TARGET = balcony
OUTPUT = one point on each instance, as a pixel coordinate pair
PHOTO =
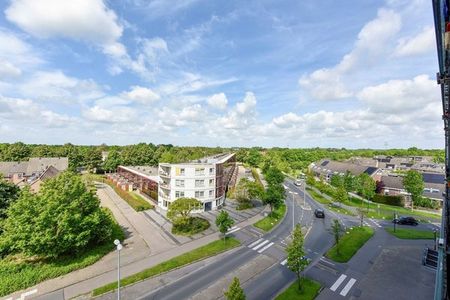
(163, 173)
(164, 185)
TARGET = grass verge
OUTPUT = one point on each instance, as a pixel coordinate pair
(203, 252)
(272, 219)
(134, 200)
(411, 234)
(17, 273)
(350, 244)
(310, 290)
(321, 199)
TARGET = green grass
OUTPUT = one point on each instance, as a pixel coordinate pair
(133, 199)
(272, 219)
(318, 197)
(340, 210)
(203, 252)
(310, 290)
(411, 234)
(17, 273)
(350, 243)
(193, 226)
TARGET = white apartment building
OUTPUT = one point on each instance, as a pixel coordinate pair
(205, 179)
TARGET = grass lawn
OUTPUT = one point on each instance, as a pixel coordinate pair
(272, 219)
(411, 234)
(17, 273)
(203, 252)
(310, 289)
(350, 243)
(318, 197)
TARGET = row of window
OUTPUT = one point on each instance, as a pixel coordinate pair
(198, 183)
(198, 194)
(198, 171)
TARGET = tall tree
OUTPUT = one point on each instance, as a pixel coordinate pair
(274, 176)
(235, 292)
(8, 194)
(413, 183)
(296, 260)
(337, 181)
(180, 209)
(349, 182)
(112, 161)
(224, 222)
(340, 195)
(273, 196)
(336, 229)
(366, 186)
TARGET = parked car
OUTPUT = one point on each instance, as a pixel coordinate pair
(406, 221)
(319, 213)
(298, 182)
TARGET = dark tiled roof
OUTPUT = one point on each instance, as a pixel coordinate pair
(393, 182)
(433, 178)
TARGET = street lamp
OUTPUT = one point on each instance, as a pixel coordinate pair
(293, 209)
(118, 247)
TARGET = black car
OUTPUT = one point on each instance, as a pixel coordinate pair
(406, 221)
(319, 213)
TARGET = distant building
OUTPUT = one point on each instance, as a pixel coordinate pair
(142, 178)
(328, 168)
(34, 171)
(206, 179)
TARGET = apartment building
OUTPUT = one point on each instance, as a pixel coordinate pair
(206, 179)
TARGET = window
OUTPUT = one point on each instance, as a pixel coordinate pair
(211, 171)
(211, 193)
(179, 194)
(199, 194)
(211, 182)
(199, 183)
(182, 171)
(199, 171)
(179, 183)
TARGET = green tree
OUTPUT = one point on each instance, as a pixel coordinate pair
(336, 229)
(180, 209)
(413, 183)
(340, 195)
(296, 260)
(337, 181)
(274, 176)
(92, 159)
(366, 186)
(63, 218)
(8, 194)
(112, 161)
(224, 222)
(361, 214)
(253, 157)
(235, 291)
(273, 196)
(349, 182)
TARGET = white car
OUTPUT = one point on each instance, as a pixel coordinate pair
(298, 182)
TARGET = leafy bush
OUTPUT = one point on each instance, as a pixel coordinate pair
(244, 205)
(426, 202)
(390, 200)
(190, 226)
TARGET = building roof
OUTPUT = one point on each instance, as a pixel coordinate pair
(433, 178)
(148, 172)
(215, 159)
(392, 182)
(336, 167)
(7, 168)
(40, 164)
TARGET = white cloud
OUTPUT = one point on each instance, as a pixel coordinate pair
(141, 95)
(7, 69)
(241, 116)
(422, 43)
(218, 101)
(113, 114)
(247, 104)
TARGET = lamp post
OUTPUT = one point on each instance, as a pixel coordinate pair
(293, 209)
(118, 247)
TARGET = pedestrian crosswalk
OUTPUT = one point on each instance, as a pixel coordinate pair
(233, 229)
(372, 223)
(347, 287)
(261, 245)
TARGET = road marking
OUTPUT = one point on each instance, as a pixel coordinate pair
(376, 223)
(265, 248)
(283, 262)
(347, 287)
(367, 224)
(254, 243)
(322, 259)
(338, 282)
(23, 295)
(233, 229)
(285, 187)
(260, 245)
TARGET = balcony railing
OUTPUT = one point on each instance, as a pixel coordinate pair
(164, 173)
(164, 185)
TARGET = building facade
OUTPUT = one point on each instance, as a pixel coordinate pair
(206, 180)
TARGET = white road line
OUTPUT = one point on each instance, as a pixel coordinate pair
(260, 245)
(265, 248)
(326, 261)
(376, 223)
(233, 230)
(254, 243)
(285, 187)
(347, 287)
(338, 282)
(283, 262)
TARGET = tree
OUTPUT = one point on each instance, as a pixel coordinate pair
(180, 209)
(8, 194)
(253, 157)
(336, 229)
(361, 214)
(274, 176)
(341, 195)
(337, 181)
(112, 161)
(273, 196)
(366, 186)
(296, 260)
(92, 159)
(235, 292)
(349, 182)
(413, 183)
(224, 222)
(63, 218)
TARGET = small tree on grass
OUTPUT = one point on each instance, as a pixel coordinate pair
(235, 291)
(341, 195)
(296, 261)
(273, 196)
(414, 185)
(224, 222)
(336, 229)
(361, 213)
(180, 209)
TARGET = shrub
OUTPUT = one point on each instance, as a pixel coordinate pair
(390, 200)
(190, 226)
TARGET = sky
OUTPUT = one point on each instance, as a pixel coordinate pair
(287, 73)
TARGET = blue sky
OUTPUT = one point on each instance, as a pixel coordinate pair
(220, 73)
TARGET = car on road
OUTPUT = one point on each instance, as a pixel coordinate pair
(319, 213)
(406, 221)
(298, 182)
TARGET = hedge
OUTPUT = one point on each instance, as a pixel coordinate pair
(390, 200)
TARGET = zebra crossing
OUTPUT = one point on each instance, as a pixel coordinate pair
(261, 245)
(373, 223)
(344, 291)
(233, 229)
